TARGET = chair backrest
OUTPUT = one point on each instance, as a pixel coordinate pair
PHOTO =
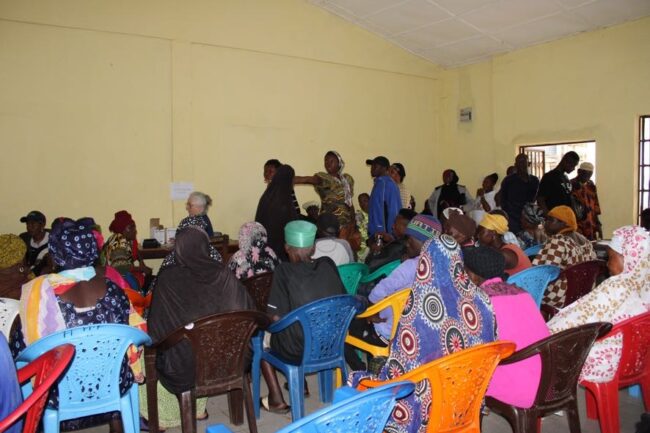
(382, 272)
(91, 381)
(635, 359)
(45, 370)
(259, 287)
(458, 385)
(8, 313)
(365, 412)
(533, 251)
(563, 356)
(351, 275)
(534, 280)
(324, 324)
(581, 279)
(220, 344)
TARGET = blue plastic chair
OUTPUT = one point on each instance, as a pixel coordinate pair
(351, 275)
(363, 412)
(91, 384)
(381, 272)
(533, 251)
(535, 280)
(324, 325)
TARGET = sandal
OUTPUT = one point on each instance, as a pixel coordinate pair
(264, 403)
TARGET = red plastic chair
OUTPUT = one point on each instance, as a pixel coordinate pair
(581, 279)
(634, 368)
(45, 370)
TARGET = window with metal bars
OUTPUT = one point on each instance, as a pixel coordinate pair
(644, 163)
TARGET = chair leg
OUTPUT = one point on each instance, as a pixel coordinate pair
(325, 385)
(525, 422)
(248, 401)
(152, 404)
(256, 342)
(187, 403)
(606, 395)
(126, 411)
(296, 379)
(51, 422)
(592, 407)
(573, 417)
(236, 406)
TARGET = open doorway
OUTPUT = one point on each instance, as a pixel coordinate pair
(545, 157)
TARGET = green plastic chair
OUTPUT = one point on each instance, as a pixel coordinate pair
(351, 275)
(382, 272)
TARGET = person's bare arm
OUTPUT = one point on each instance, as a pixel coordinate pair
(307, 180)
(511, 259)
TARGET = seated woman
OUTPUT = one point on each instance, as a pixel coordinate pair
(623, 295)
(194, 287)
(532, 232)
(79, 294)
(10, 395)
(254, 255)
(328, 243)
(197, 205)
(121, 252)
(446, 313)
(518, 320)
(565, 247)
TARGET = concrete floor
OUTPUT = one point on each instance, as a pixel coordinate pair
(630, 413)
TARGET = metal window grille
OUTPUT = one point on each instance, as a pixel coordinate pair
(644, 163)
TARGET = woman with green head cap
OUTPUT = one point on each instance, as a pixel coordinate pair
(297, 282)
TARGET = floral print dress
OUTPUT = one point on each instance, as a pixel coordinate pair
(616, 299)
(254, 256)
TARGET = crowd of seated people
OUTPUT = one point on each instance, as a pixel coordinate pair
(456, 256)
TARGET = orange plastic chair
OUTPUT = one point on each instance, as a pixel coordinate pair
(458, 384)
(395, 302)
(634, 368)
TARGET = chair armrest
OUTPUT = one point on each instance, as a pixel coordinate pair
(343, 393)
(381, 305)
(283, 323)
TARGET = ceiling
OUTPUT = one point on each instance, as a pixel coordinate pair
(457, 32)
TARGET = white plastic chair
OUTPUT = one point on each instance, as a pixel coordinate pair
(8, 314)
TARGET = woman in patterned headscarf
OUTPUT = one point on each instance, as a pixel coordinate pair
(336, 191)
(79, 294)
(445, 313)
(565, 247)
(623, 295)
(254, 255)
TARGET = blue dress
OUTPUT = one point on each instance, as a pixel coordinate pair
(10, 396)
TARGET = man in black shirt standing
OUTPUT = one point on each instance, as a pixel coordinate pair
(517, 189)
(555, 187)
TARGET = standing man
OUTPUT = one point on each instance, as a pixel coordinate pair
(584, 191)
(517, 189)
(555, 187)
(36, 239)
(385, 201)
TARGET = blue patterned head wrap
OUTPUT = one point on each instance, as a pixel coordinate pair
(72, 244)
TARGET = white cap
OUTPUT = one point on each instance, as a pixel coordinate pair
(587, 166)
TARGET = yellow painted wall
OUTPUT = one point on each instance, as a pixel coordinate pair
(104, 103)
(591, 86)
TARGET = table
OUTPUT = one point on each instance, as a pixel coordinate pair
(223, 244)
